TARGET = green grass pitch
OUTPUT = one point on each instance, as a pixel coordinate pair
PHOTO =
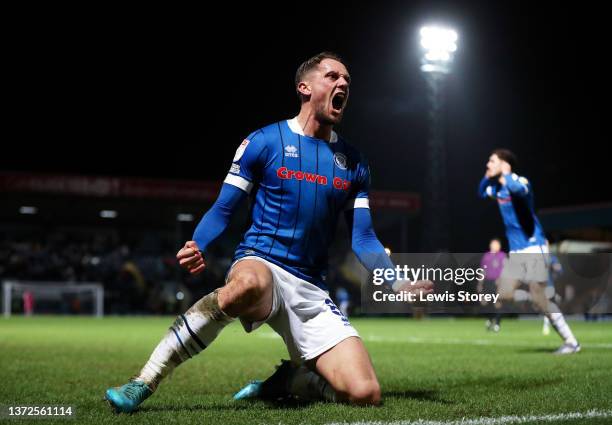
(433, 370)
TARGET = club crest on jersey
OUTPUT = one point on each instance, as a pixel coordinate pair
(241, 149)
(291, 151)
(340, 160)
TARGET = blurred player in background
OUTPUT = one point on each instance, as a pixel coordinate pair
(344, 300)
(555, 270)
(301, 177)
(493, 263)
(528, 247)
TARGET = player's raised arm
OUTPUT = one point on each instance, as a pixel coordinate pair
(517, 185)
(236, 186)
(485, 188)
(500, 166)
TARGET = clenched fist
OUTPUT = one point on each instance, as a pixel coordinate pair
(190, 258)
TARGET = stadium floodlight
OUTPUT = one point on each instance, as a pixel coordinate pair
(439, 44)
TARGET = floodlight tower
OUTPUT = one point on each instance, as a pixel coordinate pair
(439, 45)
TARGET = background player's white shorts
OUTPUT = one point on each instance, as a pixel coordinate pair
(527, 265)
(303, 315)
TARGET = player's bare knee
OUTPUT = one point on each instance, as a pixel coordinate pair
(365, 393)
(246, 287)
(253, 284)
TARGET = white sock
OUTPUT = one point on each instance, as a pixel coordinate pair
(558, 322)
(191, 333)
(309, 385)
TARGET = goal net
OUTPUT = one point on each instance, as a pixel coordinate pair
(27, 297)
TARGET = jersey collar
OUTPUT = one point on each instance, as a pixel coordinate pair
(295, 127)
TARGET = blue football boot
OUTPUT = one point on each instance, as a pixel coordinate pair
(127, 398)
(251, 390)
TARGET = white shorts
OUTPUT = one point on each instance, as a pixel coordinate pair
(527, 265)
(302, 314)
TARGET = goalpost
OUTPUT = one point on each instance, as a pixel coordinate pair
(51, 292)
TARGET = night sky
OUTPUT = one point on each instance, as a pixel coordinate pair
(171, 94)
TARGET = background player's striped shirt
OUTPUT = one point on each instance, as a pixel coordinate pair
(516, 204)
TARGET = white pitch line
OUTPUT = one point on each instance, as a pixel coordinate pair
(502, 420)
(459, 341)
(447, 341)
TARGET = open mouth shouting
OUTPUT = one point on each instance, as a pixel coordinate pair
(338, 102)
